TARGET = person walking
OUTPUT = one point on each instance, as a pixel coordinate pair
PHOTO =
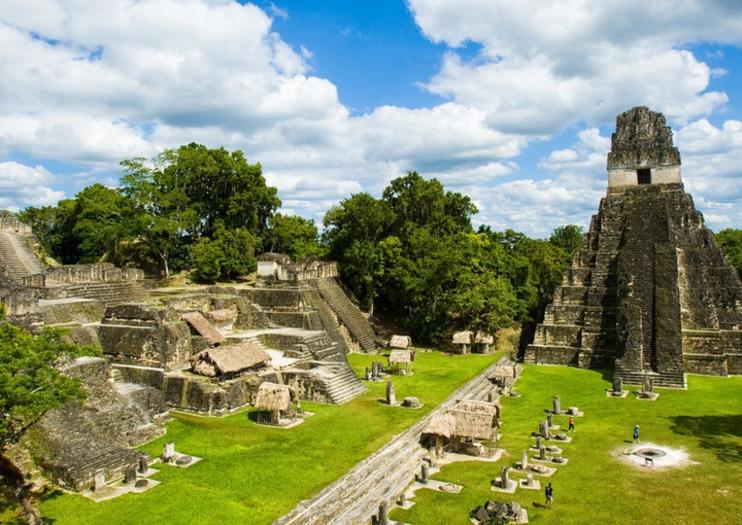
(549, 493)
(636, 433)
(571, 423)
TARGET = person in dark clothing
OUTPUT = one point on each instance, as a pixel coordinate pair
(549, 493)
(636, 433)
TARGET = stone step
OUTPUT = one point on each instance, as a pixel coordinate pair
(665, 380)
(17, 257)
(348, 313)
(355, 497)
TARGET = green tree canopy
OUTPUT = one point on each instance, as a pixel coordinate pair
(292, 235)
(730, 241)
(31, 384)
(568, 237)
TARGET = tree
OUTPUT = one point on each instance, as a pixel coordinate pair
(54, 228)
(568, 238)
(416, 201)
(292, 235)
(730, 242)
(101, 216)
(161, 215)
(221, 186)
(31, 384)
(353, 230)
(185, 195)
(230, 254)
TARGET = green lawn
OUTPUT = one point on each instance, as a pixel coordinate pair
(253, 474)
(595, 488)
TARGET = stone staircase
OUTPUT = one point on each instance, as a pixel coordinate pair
(664, 379)
(108, 293)
(383, 476)
(343, 385)
(348, 313)
(17, 258)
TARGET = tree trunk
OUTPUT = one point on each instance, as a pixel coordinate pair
(165, 265)
(14, 475)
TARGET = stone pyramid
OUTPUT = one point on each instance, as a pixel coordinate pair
(649, 291)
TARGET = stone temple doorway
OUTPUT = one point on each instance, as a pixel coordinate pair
(644, 176)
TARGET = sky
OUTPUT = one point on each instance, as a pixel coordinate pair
(509, 102)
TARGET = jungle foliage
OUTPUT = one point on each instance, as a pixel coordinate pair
(412, 252)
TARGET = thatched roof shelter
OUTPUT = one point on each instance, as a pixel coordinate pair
(273, 397)
(441, 424)
(203, 327)
(400, 341)
(226, 360)
(462, 338)
(474, 419)
(400, 357)
(484, 338)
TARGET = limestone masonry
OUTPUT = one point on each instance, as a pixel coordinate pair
(205, 349)
(649, 291)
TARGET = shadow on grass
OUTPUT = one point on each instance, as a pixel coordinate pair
(714, 433)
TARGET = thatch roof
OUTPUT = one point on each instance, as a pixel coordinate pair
(484, 338)
(400, 341)
(229, 359)
(400, 357)
(204, 328)
(462, 338)
(272, 396)
(474, 419)
(441, 424)
(224, 315)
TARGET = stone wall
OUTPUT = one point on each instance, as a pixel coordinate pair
(10, 223)
(82, 273)
(650, 287)
(72, 442)
(145, 335)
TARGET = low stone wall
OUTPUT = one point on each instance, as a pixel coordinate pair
(354, 499)
(195, 394)
(82, 273)
(135, 334)
(10, 223)
(19, 301)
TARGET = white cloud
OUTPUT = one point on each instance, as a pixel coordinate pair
(711, 158)
(546, 65)
(95, 82)
(278, 12)
(27, 184)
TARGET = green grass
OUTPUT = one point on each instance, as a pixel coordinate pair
(254, 474)
(595, 487)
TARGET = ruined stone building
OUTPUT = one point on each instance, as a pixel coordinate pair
(649, 291)
(199, 348)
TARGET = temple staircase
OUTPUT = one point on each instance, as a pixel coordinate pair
(17, 257)
(343, 385)
(348, 313)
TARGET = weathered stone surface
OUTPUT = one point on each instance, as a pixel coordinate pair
(145, 335)
(411, 402)
(72, 443)
(642, 138)
(649, 291)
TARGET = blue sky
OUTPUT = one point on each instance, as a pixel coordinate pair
(512, 103)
